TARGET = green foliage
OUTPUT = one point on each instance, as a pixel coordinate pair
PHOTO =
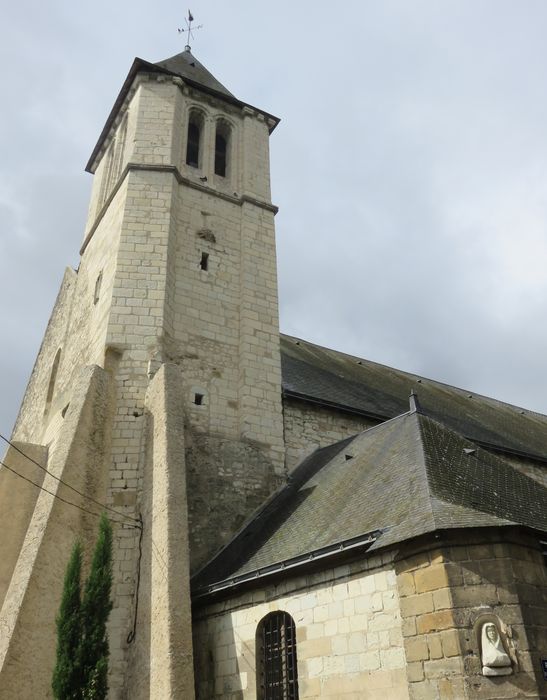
(96, 607)
(67, 679)
(81, 670)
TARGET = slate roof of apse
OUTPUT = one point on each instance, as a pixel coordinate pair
(333, 378)
(406, 477)
(186, 66)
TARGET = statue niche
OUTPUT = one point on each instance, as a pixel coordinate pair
(495, 659)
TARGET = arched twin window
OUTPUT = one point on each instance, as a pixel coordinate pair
(194, 144)
(277, 673)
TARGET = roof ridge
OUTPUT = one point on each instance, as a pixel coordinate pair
(474, 479)
(418, 416)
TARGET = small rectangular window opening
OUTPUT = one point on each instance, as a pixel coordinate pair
(204, 262)
(543, 544)
(198, 399)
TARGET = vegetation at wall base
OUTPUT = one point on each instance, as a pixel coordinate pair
(96, 607)
(81, 669)
(67, 678)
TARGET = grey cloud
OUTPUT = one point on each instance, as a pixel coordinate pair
(410, 167)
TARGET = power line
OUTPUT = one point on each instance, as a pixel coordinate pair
(83, 495)
(68, 503)
(133, 632)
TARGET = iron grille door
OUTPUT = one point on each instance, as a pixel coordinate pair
(277, 657)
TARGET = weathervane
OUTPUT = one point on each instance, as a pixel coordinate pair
(188, 29)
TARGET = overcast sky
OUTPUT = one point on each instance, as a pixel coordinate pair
(410, 168)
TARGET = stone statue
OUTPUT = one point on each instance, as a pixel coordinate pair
(495, 660)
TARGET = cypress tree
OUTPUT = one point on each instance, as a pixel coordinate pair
(66, 681)
(96, 606)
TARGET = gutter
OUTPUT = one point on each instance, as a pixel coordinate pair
(380, 417)
(288, 565)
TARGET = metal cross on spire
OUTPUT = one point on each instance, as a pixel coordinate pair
(189, 29)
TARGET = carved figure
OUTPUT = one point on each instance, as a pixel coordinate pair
(495, 660)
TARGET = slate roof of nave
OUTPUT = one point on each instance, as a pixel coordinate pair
(332, 378)
(405, 477)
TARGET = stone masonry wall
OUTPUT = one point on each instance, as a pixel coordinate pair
(27, 617)
(308, 426)
(161, 664)
(229, 356)
(348, 631)
(533, 469)
(445, 589)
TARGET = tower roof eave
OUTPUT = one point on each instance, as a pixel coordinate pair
(169, 67)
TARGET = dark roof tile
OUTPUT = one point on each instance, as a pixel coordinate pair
(188, 67)
(405, 477)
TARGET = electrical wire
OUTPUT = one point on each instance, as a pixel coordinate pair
(133, 632)
(68, 503)
(83, 495)
(139, 522)
(139, 526)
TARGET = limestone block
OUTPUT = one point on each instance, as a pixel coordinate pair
(431, 578)
(433, 622)
(417, 604)
(416, 649)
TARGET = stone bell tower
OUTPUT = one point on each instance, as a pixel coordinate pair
(157, 387)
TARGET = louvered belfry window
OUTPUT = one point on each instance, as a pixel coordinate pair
(277, 675)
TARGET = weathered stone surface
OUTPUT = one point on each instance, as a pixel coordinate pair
(416, 649)
(27, 617)
(433, 622)
(340, 652)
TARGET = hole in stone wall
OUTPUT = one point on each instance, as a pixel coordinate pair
(198, 399)
(52, 380)
(97, 292)
(204, 262)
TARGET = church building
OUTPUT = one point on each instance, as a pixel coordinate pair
(290, 522)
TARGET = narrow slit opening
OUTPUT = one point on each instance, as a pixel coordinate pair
(204, 262)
